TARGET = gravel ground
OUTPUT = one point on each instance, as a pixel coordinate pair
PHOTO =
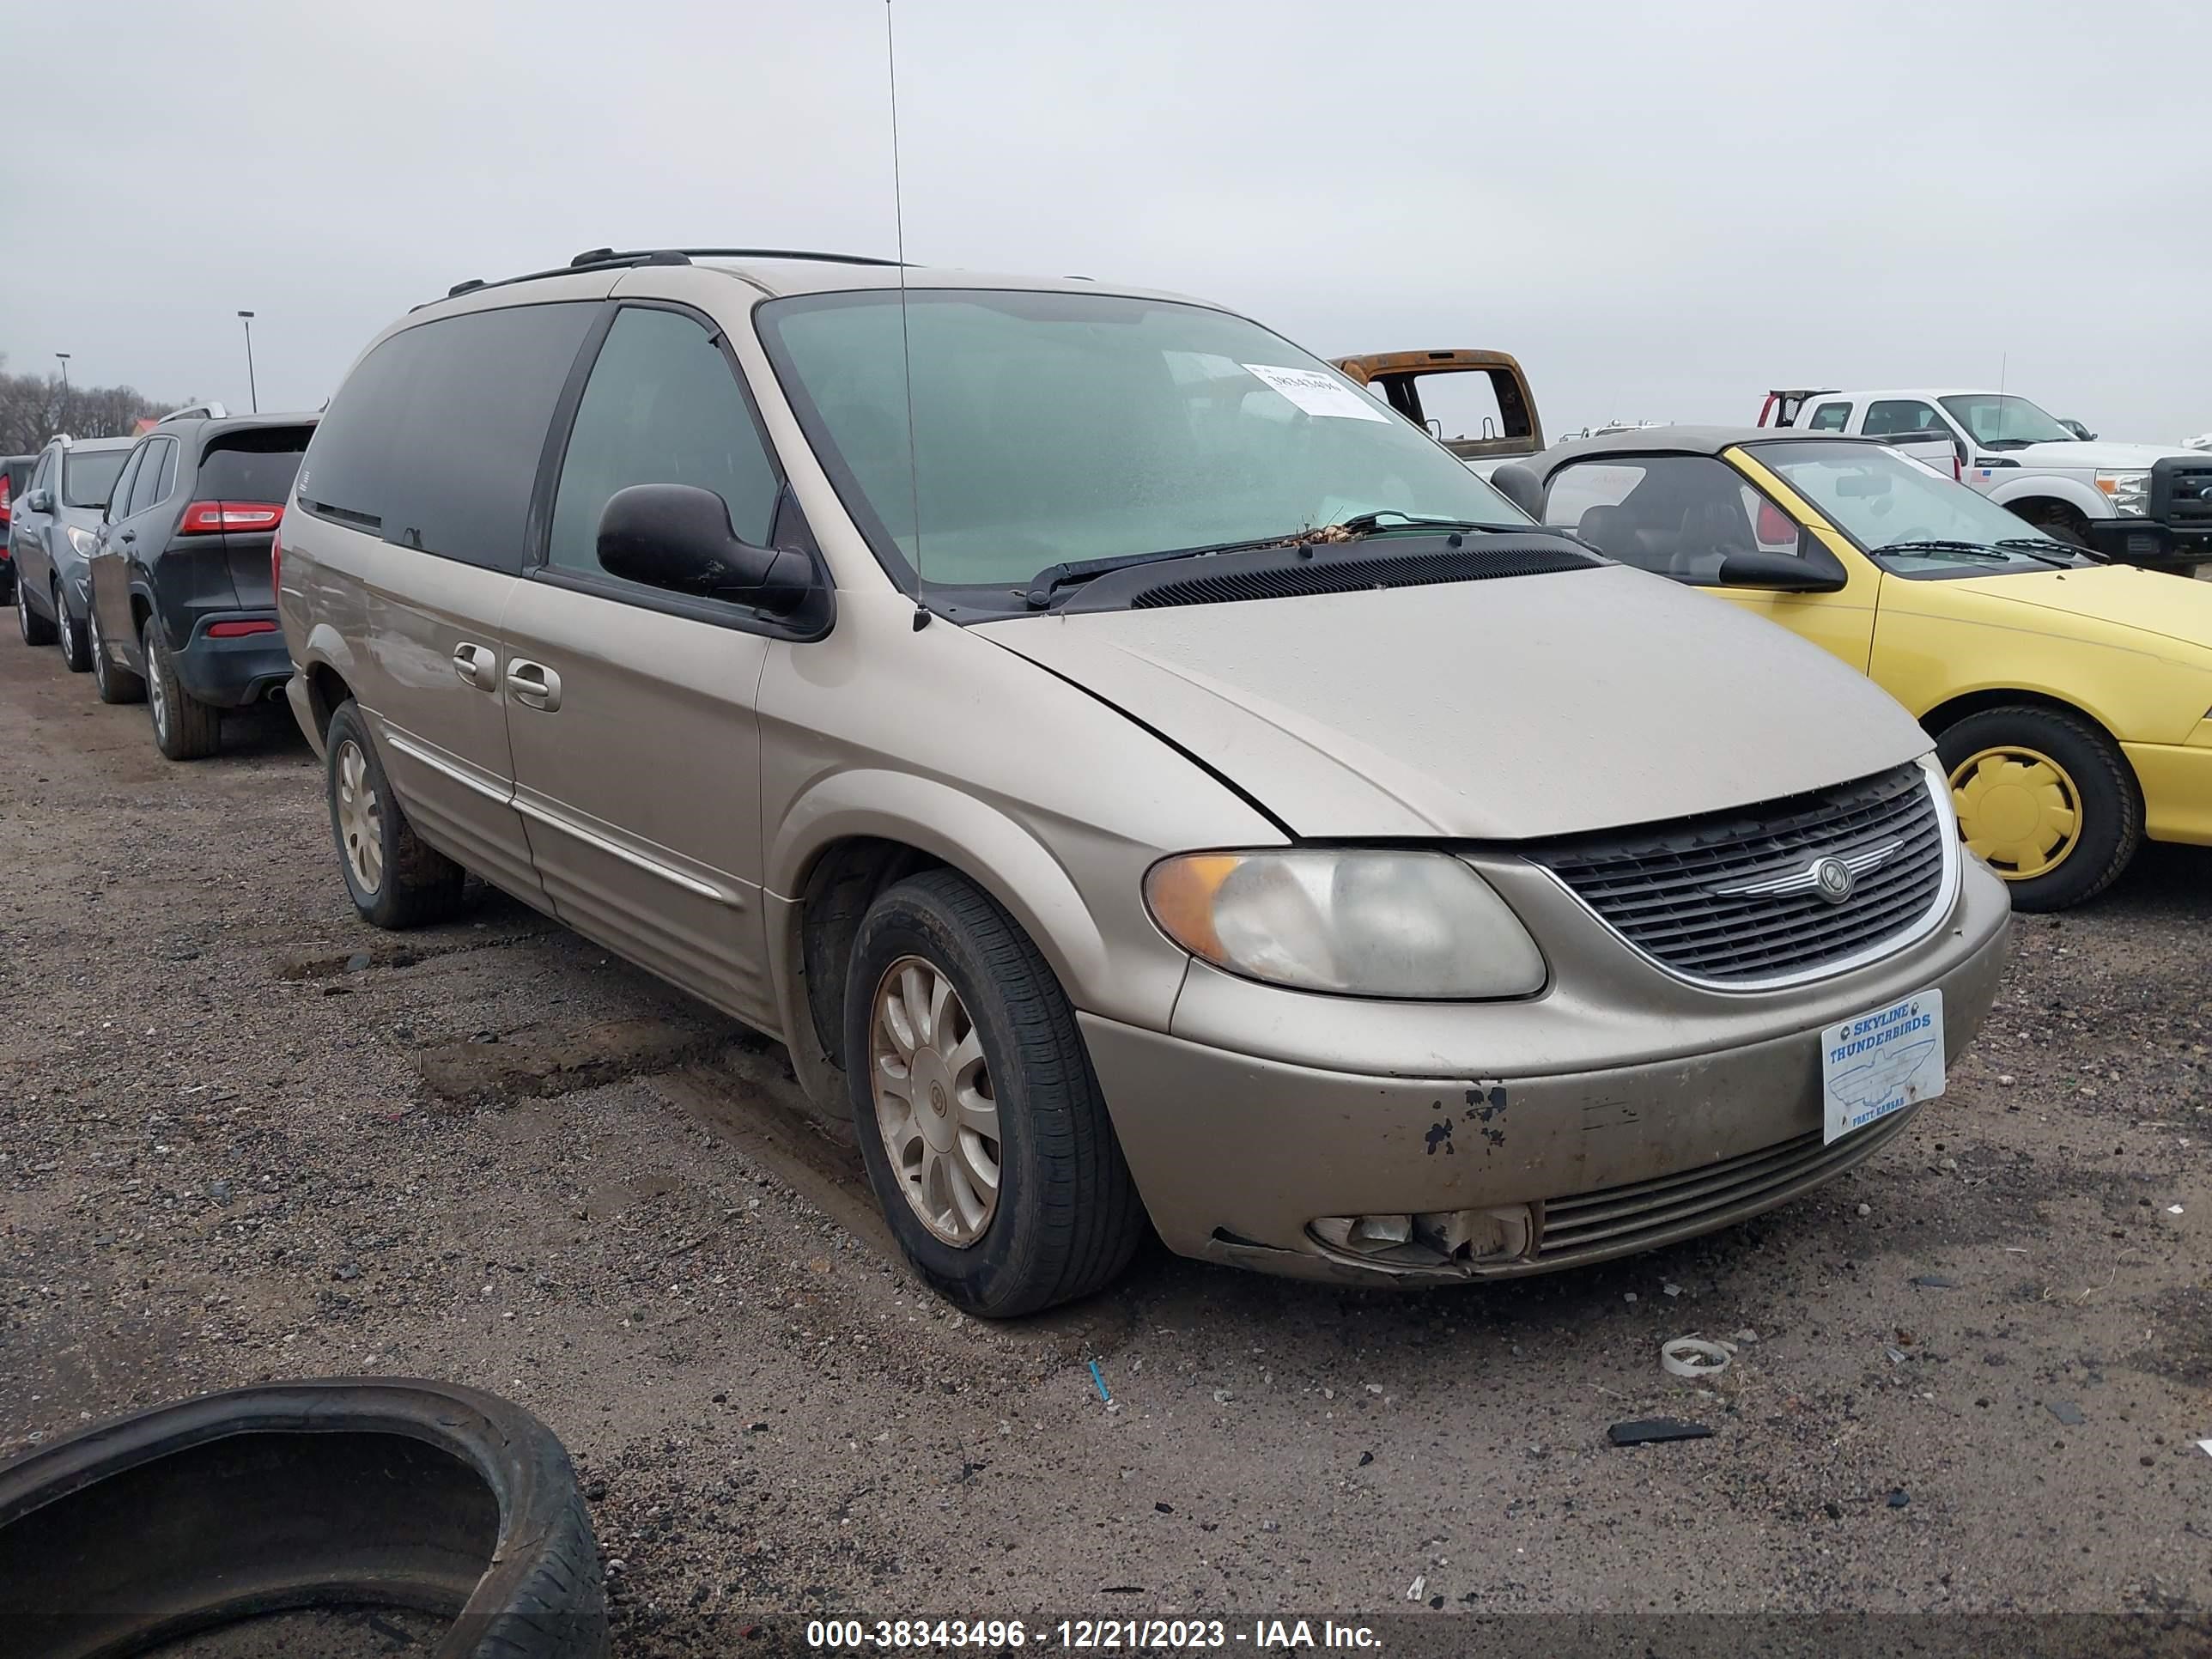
(243, 1136)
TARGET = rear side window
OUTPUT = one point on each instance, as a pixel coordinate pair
(1900, 416)
(1829, 417)
(254, 465)
(118, 504)
(435, 440)
(146, 481)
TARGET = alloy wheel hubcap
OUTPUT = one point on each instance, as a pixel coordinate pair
(67, 626)
(361, 819)
(2018, 810)
(935, 1102)
(99, 651)
(157, 705)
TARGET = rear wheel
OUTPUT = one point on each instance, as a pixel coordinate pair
(184, 728)
(75, 651)
(2046, 799)
(34, 628)
(115, 683)
(395, 878)
(986, 1137)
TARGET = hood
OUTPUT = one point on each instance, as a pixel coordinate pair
(1504, 709)
(2098, 456)
(2152, 601)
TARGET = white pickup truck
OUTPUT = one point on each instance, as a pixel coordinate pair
(2146, 504)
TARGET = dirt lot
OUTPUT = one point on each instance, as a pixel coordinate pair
(243, 1136)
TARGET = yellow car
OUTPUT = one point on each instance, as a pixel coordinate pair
(2070, 700)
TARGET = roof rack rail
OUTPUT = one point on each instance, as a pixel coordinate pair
(607, 258)
(207, 411)
(675, 256)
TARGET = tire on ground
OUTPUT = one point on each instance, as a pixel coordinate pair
(324, 1493)
(2056, 520)
(418, 883)
(115, 683)
(184, 728)
(74, 651)
(1068, 1217)
(2110, 801)
(34, 628)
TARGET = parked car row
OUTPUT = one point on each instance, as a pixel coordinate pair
(1140, 777)
(149, 561)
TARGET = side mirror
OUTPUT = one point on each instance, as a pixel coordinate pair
(39, 501)
(1520, 485)
(677, 536)
(1781, 572)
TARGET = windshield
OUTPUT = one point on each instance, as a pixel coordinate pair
(1059, 428)
(87, 478)
(2000, 422)
(1880, 498)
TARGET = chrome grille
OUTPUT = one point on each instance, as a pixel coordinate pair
(1675, 890)
(1614, 1221)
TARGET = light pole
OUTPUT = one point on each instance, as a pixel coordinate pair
(64, 420)
(245, 317)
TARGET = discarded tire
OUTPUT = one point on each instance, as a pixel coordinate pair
(347, 1492)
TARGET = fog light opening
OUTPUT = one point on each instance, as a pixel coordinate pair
(1433, 1238)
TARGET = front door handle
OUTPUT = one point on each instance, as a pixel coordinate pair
(477, 665)
(534, 684)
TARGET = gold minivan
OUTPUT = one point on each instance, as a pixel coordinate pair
(1139, 776)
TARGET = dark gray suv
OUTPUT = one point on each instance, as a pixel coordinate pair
(51, 531)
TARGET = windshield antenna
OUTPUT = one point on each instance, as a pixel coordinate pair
(906, 348)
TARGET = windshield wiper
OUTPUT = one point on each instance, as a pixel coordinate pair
(1366, 524)
(1056, 579)
(1931, 544)
(2036, 547)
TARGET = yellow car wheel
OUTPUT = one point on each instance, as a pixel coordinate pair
(2046, 799)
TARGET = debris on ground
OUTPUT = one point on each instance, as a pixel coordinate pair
(2066, 1412)
(1687, 1356)
(1650, 1430)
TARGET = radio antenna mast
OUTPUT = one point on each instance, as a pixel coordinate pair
(906, 347)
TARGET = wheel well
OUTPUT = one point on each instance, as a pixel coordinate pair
(141, 608)
(326, 689)
(2044, 510)
(840, 886)
(1943, 716)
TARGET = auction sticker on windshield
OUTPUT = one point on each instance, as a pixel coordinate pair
(1317, 393)
(1881, 1062)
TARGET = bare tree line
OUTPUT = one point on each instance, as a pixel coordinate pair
(33, 408)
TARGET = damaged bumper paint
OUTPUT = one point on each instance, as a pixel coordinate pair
(1597, 1140)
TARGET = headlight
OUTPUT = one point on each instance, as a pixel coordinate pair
(83, 540)
(2130, 491)
(1360, 922)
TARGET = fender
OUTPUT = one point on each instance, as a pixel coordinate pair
(2083, 498)
(991, 848)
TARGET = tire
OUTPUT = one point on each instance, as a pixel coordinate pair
(395, 878)
(75, 651)
(184, 728)
(2061, 523)
(1064, 1216)
(114, 684)
(316, 1494)
(34, 628)
(2015, 772)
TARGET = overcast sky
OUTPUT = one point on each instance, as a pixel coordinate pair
(1661, 210)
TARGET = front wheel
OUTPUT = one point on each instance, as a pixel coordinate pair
(986, 1137)
(75, 651)
(2046, 799)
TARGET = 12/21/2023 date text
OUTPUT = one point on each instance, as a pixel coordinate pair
(1087, 1635)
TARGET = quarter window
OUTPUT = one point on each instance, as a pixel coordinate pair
(663, 406)
(157, 461)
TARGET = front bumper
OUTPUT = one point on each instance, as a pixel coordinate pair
(2177, 787)
(2148, 542)
(1235, 1154)
(231, 671)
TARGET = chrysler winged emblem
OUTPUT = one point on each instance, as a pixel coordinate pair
(1829, 877)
